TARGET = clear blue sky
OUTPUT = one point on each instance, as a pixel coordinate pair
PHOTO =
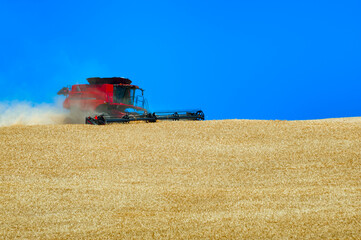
(233, 59)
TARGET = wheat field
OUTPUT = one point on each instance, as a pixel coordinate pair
(228, 179)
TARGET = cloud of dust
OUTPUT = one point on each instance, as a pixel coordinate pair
(27, 113)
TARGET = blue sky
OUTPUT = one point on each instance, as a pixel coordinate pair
(234, 59)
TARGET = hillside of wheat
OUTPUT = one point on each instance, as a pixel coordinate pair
(226, 179)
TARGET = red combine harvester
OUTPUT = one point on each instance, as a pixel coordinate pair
(108, 100)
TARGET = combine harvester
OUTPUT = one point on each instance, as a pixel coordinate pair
(111, 100)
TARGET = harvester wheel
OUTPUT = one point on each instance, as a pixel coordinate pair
(200, 115)
(176, 116)
(126, 118)
(152, 117)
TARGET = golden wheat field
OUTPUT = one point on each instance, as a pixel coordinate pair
(228, 179)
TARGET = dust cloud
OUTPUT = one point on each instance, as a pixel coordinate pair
(27, 113)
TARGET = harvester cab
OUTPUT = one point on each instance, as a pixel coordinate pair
(106, 100)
